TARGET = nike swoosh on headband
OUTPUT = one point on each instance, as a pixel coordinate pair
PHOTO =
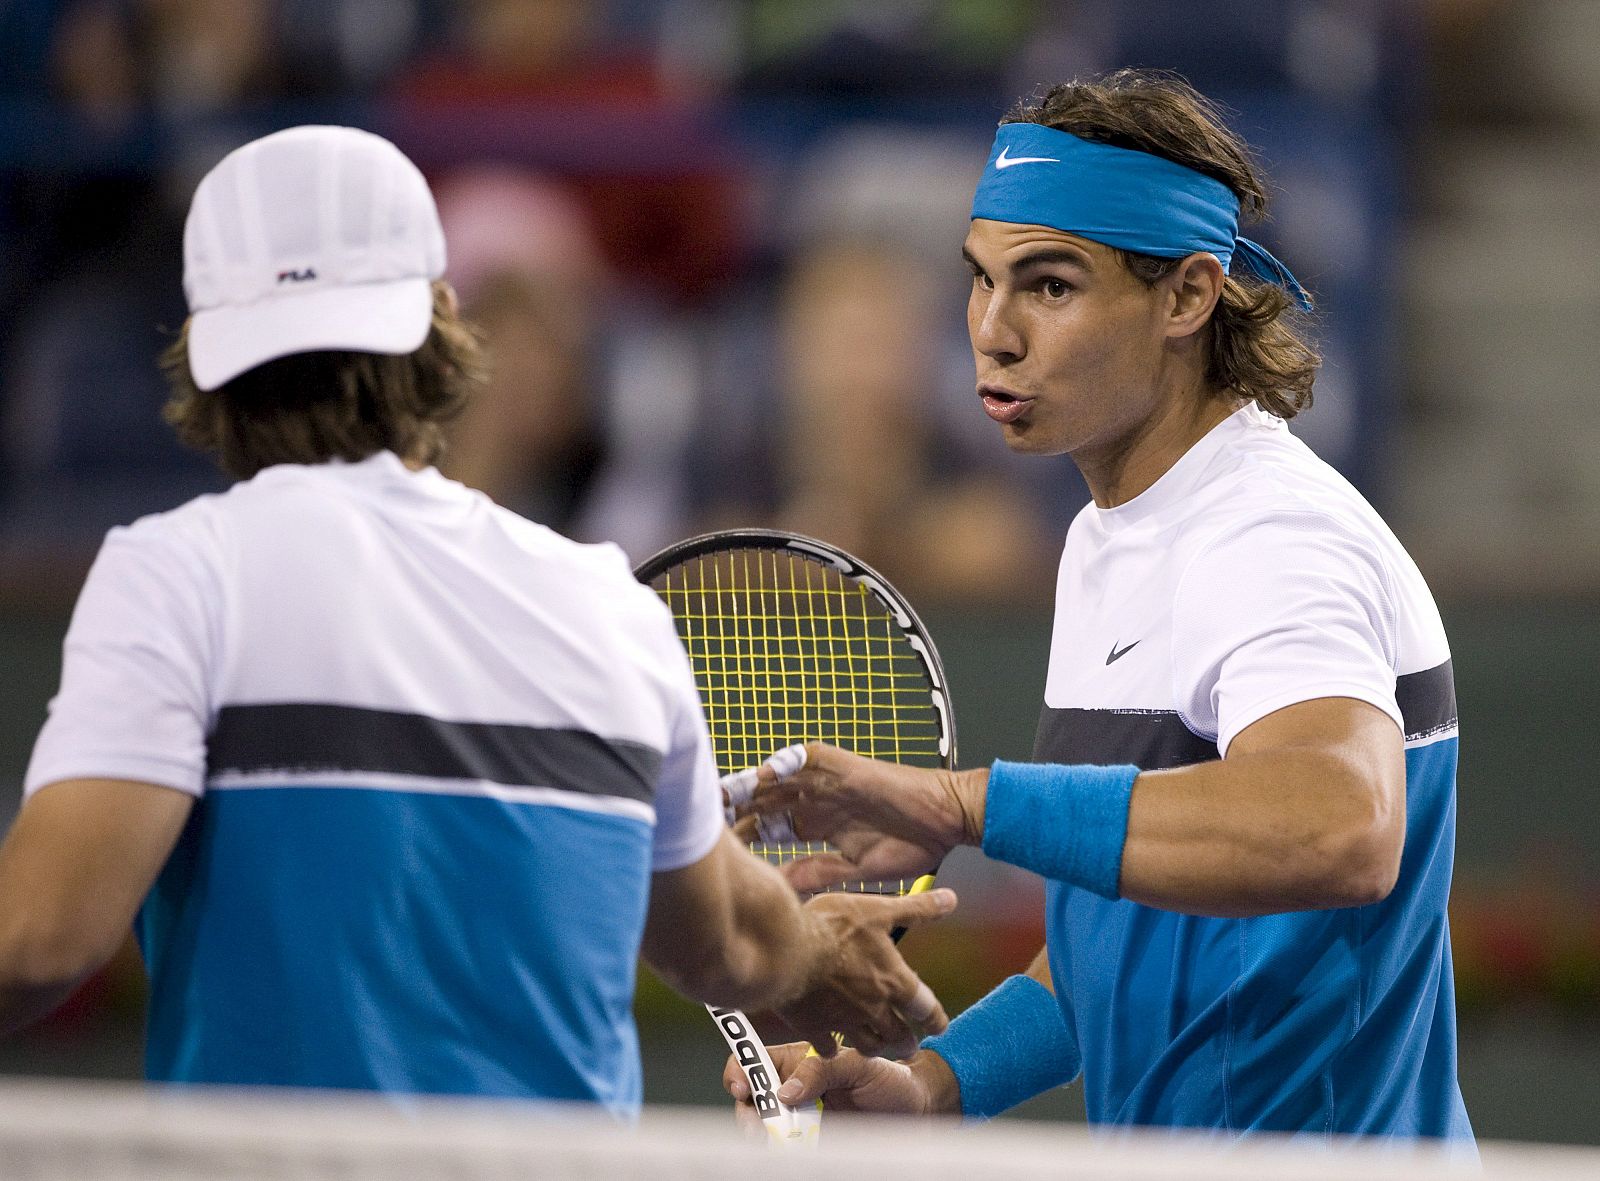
(1005, 161)
(1133, 200)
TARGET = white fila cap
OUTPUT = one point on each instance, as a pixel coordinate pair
(308, 239)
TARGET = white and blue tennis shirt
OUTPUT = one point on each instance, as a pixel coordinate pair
(437, 752)
(1248, 578)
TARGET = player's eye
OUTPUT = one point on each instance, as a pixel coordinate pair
(1054, 288)
(982, 281)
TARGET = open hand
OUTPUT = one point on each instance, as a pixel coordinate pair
(886, 821)
(860, 985)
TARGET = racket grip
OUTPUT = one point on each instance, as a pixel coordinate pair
(787, 1127)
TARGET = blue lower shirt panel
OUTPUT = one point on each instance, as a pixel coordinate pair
(399, 941)
(1333, 1021)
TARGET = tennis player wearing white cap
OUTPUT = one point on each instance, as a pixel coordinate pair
(397, 782)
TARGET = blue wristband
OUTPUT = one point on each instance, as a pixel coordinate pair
(1067, 823)
(1008, 1047)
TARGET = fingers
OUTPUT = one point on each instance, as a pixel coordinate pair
(818, 1035)
(899, 1043)
(780, 778)
(780, 766)
(811, 875)
(790, 759)
(924, 1012)
(785, 1058)
(734, 1082)
(896, 1030)
(812, 1078)
(736, 791)
(919, 908)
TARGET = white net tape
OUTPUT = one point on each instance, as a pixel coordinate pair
(84, 1132)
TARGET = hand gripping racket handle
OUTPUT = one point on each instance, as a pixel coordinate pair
(789, 1127)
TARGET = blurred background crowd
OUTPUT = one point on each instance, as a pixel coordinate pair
(713, 245)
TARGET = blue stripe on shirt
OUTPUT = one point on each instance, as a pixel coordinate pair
(399, 941)
(1318, 1021)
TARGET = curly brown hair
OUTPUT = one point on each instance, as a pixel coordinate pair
(313, 407)
(1259, 346)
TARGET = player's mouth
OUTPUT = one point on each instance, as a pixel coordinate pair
(1003, 405)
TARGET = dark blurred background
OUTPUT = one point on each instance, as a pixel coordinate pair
(714, 246)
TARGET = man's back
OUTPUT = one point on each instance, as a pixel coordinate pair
(428, 736)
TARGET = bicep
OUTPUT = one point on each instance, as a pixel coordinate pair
(1358, 747)
(1354, 732)
(691, 907)
(81, 857)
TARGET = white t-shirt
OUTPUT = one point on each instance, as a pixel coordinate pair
(371, 586)
(1249, 577)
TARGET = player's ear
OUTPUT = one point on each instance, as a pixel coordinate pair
(452, 301)
(1193, 288)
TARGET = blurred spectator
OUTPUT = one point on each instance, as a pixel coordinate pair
(540, 436)
(542, 84)
(871, 436)
(193, 56)
(859, 455)
(152, 92)
(844, 50)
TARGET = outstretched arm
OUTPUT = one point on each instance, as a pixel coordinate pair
(73, 870)
(1307, 811)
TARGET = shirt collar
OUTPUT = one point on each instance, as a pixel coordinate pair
(1179, 480)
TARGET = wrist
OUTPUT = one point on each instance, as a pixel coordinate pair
(967, 792)
(941, 1091)
(1065, 822)
(814, 951)
(1010, 1046)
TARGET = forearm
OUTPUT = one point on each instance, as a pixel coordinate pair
(730, 931)
(1264, 833)
(770, 950)
(73, 870)
(1259, 834)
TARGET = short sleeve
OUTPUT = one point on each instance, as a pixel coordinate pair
(1288, 608)
(689, 818)
(134, 701)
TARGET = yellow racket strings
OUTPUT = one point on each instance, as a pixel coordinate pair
(784, 650)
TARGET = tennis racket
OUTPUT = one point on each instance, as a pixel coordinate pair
(793, 640)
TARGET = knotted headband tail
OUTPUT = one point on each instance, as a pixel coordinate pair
(1266, 267)
(1135, 201)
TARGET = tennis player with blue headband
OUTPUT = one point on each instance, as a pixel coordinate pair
(1242, 789)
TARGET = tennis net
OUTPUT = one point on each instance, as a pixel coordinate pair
(52, 1131)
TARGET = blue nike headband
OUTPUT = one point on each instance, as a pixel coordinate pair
(1132, 200)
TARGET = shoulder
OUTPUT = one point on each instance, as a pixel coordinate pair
(192, 534)
(600, 564)
(595, 576)
(1269, 494)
